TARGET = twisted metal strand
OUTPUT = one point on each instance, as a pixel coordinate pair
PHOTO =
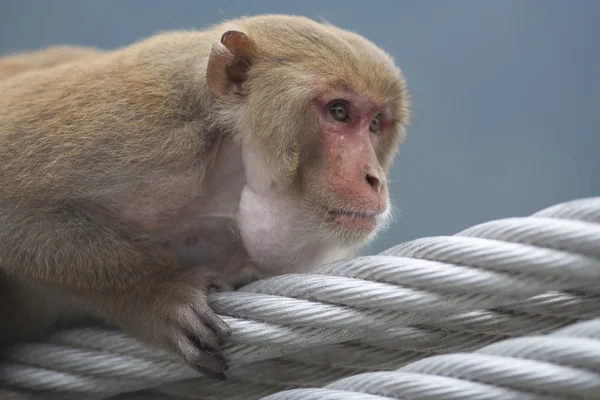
(562, 365)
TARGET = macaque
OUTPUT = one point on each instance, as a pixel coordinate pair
(17, 63)
(135, 181)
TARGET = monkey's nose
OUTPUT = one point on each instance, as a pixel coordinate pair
(375, 180)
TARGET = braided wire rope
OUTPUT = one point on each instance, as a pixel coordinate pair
(400, 310)
(562, 365)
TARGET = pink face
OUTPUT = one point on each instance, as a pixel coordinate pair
(352, 128)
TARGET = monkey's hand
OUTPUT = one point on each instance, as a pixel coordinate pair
(174, 314)
(132, 284)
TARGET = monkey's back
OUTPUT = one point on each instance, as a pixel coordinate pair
(101, 121)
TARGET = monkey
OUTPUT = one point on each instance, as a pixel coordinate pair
(16, 63)
(135, 181)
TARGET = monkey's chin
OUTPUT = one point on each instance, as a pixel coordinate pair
(353, 230)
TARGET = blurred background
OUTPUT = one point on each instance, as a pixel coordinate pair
(506, 94)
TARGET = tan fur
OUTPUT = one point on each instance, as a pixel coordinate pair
(16, 63)
(103, 157)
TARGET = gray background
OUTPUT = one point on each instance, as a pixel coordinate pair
(506, 93)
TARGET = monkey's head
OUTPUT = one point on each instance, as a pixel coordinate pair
(320, 112)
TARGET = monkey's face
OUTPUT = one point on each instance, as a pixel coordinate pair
(341, 174)
(319, 180)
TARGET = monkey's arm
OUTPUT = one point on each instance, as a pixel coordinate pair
(68, 248)
(131, 283)
(77, 135)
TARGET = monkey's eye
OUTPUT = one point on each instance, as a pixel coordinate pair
(374, 125)
(339, 111)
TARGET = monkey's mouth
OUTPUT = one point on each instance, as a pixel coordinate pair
(352, 219)
(352, 214)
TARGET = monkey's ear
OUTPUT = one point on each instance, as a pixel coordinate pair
(228, 66)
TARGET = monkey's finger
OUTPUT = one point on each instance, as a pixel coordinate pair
(207, 344)
(200, 333)
(207, 364)
(208, 316)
